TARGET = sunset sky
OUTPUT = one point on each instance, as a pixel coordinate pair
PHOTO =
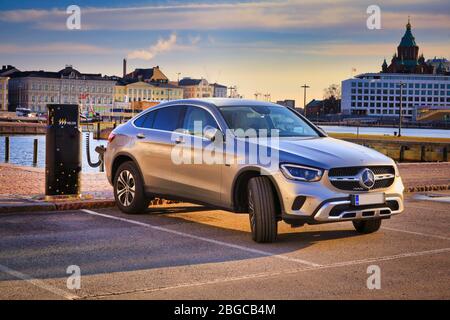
(259, 46)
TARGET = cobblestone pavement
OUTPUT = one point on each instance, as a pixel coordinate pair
(29, 181)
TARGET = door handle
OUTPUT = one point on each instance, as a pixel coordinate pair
(140, 136)
(179, 140)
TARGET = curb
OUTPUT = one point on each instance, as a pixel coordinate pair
(27, 207)
(442, 187)
(57, 206)
(72, 205)
(97, 204)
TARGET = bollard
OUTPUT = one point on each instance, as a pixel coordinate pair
(35, 151)
(402, 153)
(6, 149)
(422, 153)
(98, 131)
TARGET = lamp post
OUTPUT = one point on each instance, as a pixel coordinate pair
(400, 118)
(304, 95)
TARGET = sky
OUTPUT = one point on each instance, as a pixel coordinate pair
(268, 47)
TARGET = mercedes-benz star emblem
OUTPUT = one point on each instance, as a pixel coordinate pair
(367, 178)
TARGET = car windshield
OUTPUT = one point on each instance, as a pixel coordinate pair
(252, 120)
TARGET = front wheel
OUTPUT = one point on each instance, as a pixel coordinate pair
(129, 189)
(262, 211)
(367, 226)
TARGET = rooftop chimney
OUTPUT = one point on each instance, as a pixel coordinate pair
(124, 67)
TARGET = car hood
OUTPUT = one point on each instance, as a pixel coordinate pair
(326, 153)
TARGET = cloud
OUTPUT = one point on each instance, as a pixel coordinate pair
(53, 48)
(266, 15)
(162, 45)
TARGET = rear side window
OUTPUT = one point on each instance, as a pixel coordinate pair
(145, 121)
(167, 118)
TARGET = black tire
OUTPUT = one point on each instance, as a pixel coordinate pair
(262, 211)
(367, 226)
(127, 201)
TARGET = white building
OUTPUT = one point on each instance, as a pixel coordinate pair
(36, 89)
(378, 94)
(219, 90)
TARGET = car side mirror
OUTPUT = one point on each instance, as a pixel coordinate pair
(211, 133)
(322, 131)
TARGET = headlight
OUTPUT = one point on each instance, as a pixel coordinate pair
(397, 172)
(296, 172)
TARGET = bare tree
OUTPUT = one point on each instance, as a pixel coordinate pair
(332, 92)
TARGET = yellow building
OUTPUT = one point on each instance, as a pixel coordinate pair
(4, 93)
(128, 90)
(196, 88)
(120, 91)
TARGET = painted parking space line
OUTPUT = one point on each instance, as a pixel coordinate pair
(416, 233)
(272, 274)
(38, 283)
(204, 239)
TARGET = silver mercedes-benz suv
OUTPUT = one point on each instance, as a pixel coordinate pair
(250, 157)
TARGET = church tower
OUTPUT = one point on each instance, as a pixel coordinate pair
(408, 49)
(406, 59)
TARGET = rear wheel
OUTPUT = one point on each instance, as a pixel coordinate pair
(367, 226)
(262, 211)
(129, 189)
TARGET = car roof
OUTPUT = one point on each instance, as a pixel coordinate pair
(222, 102)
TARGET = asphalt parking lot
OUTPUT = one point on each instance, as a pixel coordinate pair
(190, 252)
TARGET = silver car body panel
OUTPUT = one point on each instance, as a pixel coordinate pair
(214, 184)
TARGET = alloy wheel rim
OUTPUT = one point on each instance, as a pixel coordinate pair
(251, 210)
(126, 188)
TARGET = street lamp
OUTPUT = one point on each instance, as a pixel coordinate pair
(400, 118)
(304, 95)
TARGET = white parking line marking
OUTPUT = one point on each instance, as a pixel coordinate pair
(416, 233)
(38, 283)
(272, 274)
(217, 242)
(411, 205)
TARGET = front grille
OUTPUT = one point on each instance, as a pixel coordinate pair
(353, 171)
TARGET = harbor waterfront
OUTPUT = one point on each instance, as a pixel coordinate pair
(382, 131)
(21, 150)
(381, 139)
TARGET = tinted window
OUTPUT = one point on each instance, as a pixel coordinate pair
(252, 119)
(139, 122)
(148, 123)
(167, 118)
(145, 121)
(196, 119)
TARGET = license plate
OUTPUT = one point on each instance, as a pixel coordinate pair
(369, 198)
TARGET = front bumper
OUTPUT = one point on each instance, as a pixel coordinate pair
(325, 203)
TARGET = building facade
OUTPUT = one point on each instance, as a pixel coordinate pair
(128, 90)
(379, 94)
(36, 89)
(196, 88)
(408, 80)
(4, 93)
(219, 90)
(147, 75)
